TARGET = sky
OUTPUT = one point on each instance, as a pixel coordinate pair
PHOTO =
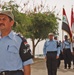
(51, 4)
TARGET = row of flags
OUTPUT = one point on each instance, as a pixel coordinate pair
(65, 24)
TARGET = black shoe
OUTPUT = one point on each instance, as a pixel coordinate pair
(65, 68)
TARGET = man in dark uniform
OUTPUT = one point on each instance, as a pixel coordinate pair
(51, 53)
(12, 62)
(67, 52)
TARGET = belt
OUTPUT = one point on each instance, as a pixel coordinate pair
(66, 48)
(9, 72)
(51, 51)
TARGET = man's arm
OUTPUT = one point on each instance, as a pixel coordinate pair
(27, 70)
(44, 49)
(58, 52)
(26, 67)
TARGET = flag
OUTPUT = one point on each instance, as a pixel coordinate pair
(65, 24)
(72, 20)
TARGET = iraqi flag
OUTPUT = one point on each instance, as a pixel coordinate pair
(65, 24)
(72, 20)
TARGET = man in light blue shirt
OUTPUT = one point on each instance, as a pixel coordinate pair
(51, 52)
(67, 52)
(51, 45)
(10, 61)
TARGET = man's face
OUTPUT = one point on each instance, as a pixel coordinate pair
(5, 23)
(50, 37)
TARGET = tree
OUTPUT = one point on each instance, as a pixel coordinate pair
(21, 19)
(33, 24)
(42, 24)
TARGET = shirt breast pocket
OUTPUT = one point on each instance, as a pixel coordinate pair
(47, 44)
(13, 51)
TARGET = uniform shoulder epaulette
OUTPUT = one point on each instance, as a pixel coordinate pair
(22, 37)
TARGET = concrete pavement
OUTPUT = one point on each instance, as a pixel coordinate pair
(39, 68)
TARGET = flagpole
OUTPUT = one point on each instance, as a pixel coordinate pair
(62, 31)
(72, 21)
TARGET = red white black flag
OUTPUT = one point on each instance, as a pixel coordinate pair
(65, 24)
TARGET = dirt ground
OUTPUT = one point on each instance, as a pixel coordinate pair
(39, 68)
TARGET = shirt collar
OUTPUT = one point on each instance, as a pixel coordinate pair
(51, 40)
(11, 35)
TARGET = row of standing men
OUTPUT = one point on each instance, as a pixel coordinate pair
(66, 52)
(15, 57)
(55, 51)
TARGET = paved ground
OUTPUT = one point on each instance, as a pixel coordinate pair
(39, 68)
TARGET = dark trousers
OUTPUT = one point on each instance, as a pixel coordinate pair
(58, 62)
(51, 63)
(73, 57)
(67, 58)
(12, 73)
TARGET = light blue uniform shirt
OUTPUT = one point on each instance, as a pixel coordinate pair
(51, 46)
(9, 53)
(66, 45)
